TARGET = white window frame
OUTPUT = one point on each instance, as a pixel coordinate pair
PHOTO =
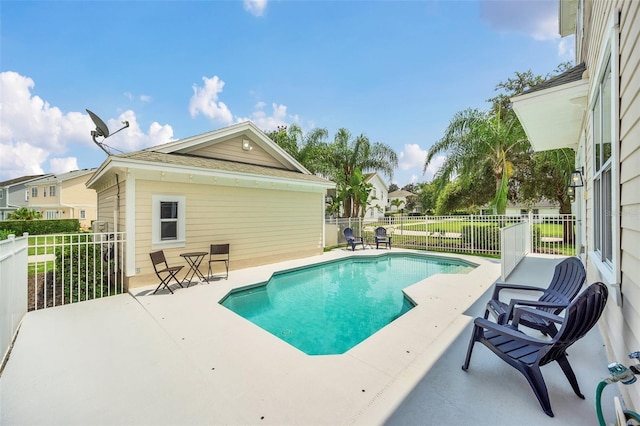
(52, 190)
(82, 214)
(51, 214)
(156, 241)
(34, 192)
(1, 194)
(609, 270)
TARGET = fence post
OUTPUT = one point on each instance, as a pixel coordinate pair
(426, 232)
(530, 239)
(473, 232)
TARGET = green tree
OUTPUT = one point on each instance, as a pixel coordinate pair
(24, 213)
(397, 202)
(475, 139)
(393, 187)
(340, 159)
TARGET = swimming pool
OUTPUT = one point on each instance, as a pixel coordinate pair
(329, 308)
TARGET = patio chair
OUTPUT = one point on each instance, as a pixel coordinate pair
(382, 237)
(568, 278)
(527, 354)
(219, 253)
(164, 272)
(352, 240)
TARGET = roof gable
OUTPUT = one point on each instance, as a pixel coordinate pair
(242, 142)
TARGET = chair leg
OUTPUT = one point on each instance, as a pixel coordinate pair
(163, 282)
(472, 342)
(568, 372)
(536, 381)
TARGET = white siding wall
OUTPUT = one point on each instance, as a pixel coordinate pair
(621, 324)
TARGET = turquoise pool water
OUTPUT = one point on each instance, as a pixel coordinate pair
(331, 307)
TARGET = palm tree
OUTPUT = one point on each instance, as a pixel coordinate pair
(474, 139)
(24, 213)
(341, 158)
(396, 202)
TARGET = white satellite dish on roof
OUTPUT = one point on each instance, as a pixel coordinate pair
(102, 130)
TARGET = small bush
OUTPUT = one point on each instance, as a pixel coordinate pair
(4, 233)
(40, 227)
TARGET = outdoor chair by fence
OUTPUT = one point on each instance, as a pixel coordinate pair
(568, 278)
(527, 354)
(164, 272)
(382, 237)
(352, 240)
(219, 253)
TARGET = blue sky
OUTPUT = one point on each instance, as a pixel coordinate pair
(396, 71)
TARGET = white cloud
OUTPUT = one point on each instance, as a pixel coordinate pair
(566, 48)
(205, 101)
(535, 18)
(433, 167)
(35, 136)
(255, 7)
(63, 165)
(412, 156)
(277, 118)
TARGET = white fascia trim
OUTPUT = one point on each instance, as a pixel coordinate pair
(568, 91)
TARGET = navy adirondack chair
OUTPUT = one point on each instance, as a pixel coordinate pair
(352, 240)
(527, 354)
(381, 237)
(568, 278)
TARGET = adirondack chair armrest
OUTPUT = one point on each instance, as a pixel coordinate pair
(514, 303)
(510, 331)
(541, 314)
(499, 286)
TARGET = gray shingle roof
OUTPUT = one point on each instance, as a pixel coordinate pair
(21, 179)
(569, 76)
(216, 164)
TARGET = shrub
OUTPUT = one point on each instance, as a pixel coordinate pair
(81, 271)
(4, 233)
(40, 227)
(482, 237)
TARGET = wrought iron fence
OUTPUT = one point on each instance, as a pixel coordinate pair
(68, 268)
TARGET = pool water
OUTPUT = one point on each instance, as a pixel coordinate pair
(331, 307)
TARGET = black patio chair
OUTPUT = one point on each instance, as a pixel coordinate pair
(352, 240)
(568, 278)
(382, 237)
(527, 354)
(219, 253)
(164, 272)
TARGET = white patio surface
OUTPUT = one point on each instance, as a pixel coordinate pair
(184, 359)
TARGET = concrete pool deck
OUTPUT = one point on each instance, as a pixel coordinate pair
(184, 359)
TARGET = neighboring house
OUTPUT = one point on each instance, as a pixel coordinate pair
(233, 185)
(541, 208)
(14, 194)
(64, 196)
(378, 196)
(401, 195)
(594, 108)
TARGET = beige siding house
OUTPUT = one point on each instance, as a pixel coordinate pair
(595, 109)
(232, 185)
(64, 196)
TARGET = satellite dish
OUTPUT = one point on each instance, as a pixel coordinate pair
(103, 130)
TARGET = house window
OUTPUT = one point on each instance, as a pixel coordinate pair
(51, 214)
(83, 214)
(44, 191)
(34, 192)
(168, 221)
(52, 191)
(26, 195)
(602, 183)
(1, 194)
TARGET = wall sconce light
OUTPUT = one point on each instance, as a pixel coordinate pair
(246, 145)
(576, 179)
(571, 193)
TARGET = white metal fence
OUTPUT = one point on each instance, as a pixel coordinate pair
(515, 242)
(472, 234)
(13, 289)
(68, 268)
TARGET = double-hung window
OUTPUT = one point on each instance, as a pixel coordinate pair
(34, 192)
(168, 221)
(603, 165)
(52, 191)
